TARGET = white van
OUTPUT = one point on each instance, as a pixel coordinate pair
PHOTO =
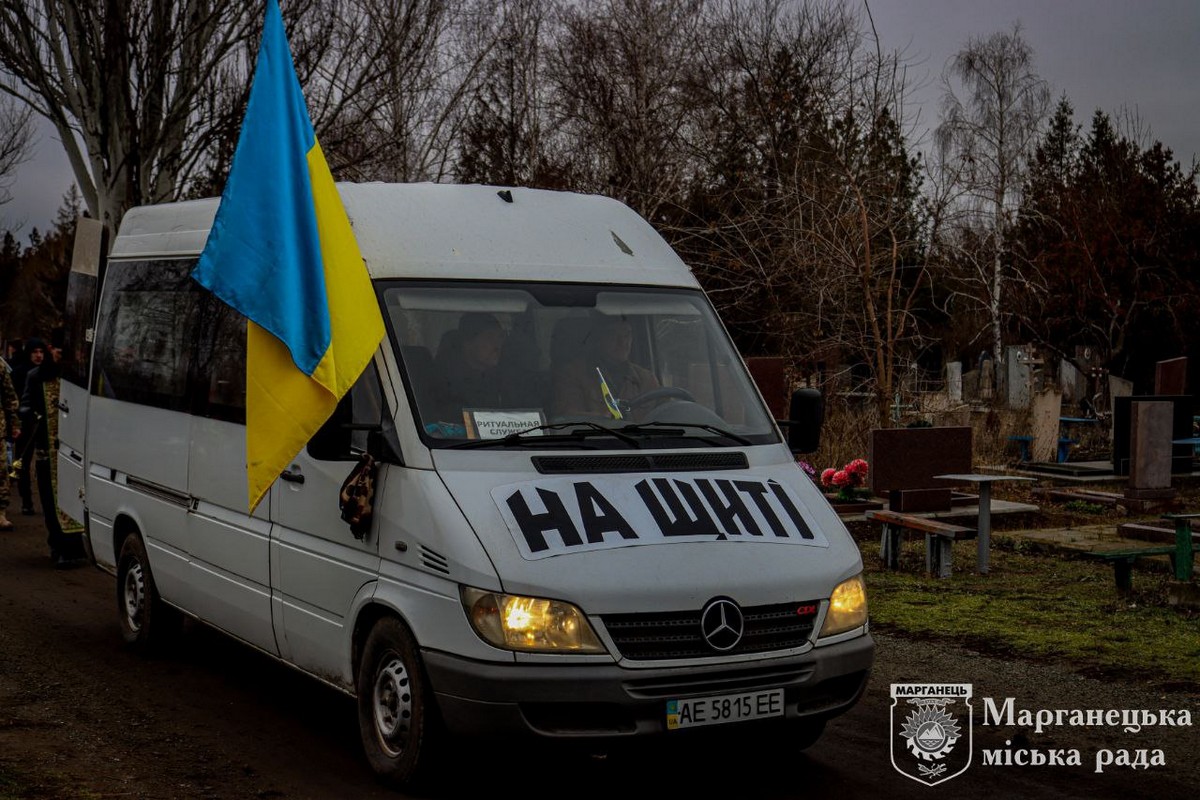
(630, 566)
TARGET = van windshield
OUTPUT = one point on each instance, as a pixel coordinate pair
(540, 365)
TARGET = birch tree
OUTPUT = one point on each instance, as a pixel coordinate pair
(993, 107)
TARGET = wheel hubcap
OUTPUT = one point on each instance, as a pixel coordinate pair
(393, 704)
(135, 596)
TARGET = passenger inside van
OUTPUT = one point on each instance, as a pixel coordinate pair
(467, 366)
(579, 387)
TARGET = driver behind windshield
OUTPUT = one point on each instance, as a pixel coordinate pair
(602, 380)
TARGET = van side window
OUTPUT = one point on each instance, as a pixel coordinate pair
(80, 316)
(143, 341)
(219, 368)
(362, 405)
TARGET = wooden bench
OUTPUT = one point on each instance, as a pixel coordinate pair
(1181, 553)
(939, 539)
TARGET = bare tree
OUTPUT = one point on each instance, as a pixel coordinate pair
(993, 107)
(391, 94)
(147, 96)
(506, 139)
(619, 75)
(16, 139)
(120, 80)
(802, 215)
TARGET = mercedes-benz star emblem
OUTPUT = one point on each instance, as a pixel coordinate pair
(722, 624)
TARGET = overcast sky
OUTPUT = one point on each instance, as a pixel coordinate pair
(1103, 54)
(1108, 54)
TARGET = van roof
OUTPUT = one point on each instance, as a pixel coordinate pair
(431, 230)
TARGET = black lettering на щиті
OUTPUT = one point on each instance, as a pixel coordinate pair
(599, 515)
(692, 520)
(730, 511)
(534, 526)
(759, 492)
(790, 507)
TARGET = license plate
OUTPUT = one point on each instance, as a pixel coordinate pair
(720, 709)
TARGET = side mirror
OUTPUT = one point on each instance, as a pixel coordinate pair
(806, 415)
(332, 441)
(383, 445)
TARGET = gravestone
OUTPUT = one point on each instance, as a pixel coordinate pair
(1072, 381)
(1017, 376)
(1150, 450)
(954, 381)
(970, 385)
(1118, 387)
(1181, 428)
(904, 460)
(1170, 376)
(987, 378)
(770, 376)
(1047, 408)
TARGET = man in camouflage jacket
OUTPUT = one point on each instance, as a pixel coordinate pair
(10, 428)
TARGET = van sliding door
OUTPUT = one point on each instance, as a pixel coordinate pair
(91, 248)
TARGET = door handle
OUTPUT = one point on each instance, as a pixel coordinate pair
(292, 476)
(63, 407)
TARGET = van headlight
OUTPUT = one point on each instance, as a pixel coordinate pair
(847, 607)
(534, 624)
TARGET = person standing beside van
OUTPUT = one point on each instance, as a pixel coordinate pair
(34, 354)
(63, 535)
(10, 427)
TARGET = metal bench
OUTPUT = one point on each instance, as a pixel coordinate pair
(1024, 443)
(1181, 553)
(939, 539)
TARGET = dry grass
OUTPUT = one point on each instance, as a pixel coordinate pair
(848, 425)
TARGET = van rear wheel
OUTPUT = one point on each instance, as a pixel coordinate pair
(141, 613)
(397, 718)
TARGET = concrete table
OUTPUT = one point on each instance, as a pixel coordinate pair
(983, 537)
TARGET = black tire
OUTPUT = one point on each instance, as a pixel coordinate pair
(397, 716)
(144, 618)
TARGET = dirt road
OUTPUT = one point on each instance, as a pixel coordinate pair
(80, 717)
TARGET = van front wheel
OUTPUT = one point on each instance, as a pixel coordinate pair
(396, 716)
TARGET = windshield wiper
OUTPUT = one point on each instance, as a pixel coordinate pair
(666, 428)
(582, 430)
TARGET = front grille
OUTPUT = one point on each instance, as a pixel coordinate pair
(722, 681)
(640, 462)
(677, 634)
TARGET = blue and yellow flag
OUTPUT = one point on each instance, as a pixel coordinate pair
(610, 402)
(282, 253)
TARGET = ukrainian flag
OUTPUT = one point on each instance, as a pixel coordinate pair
(282, 253)
(610, 402)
